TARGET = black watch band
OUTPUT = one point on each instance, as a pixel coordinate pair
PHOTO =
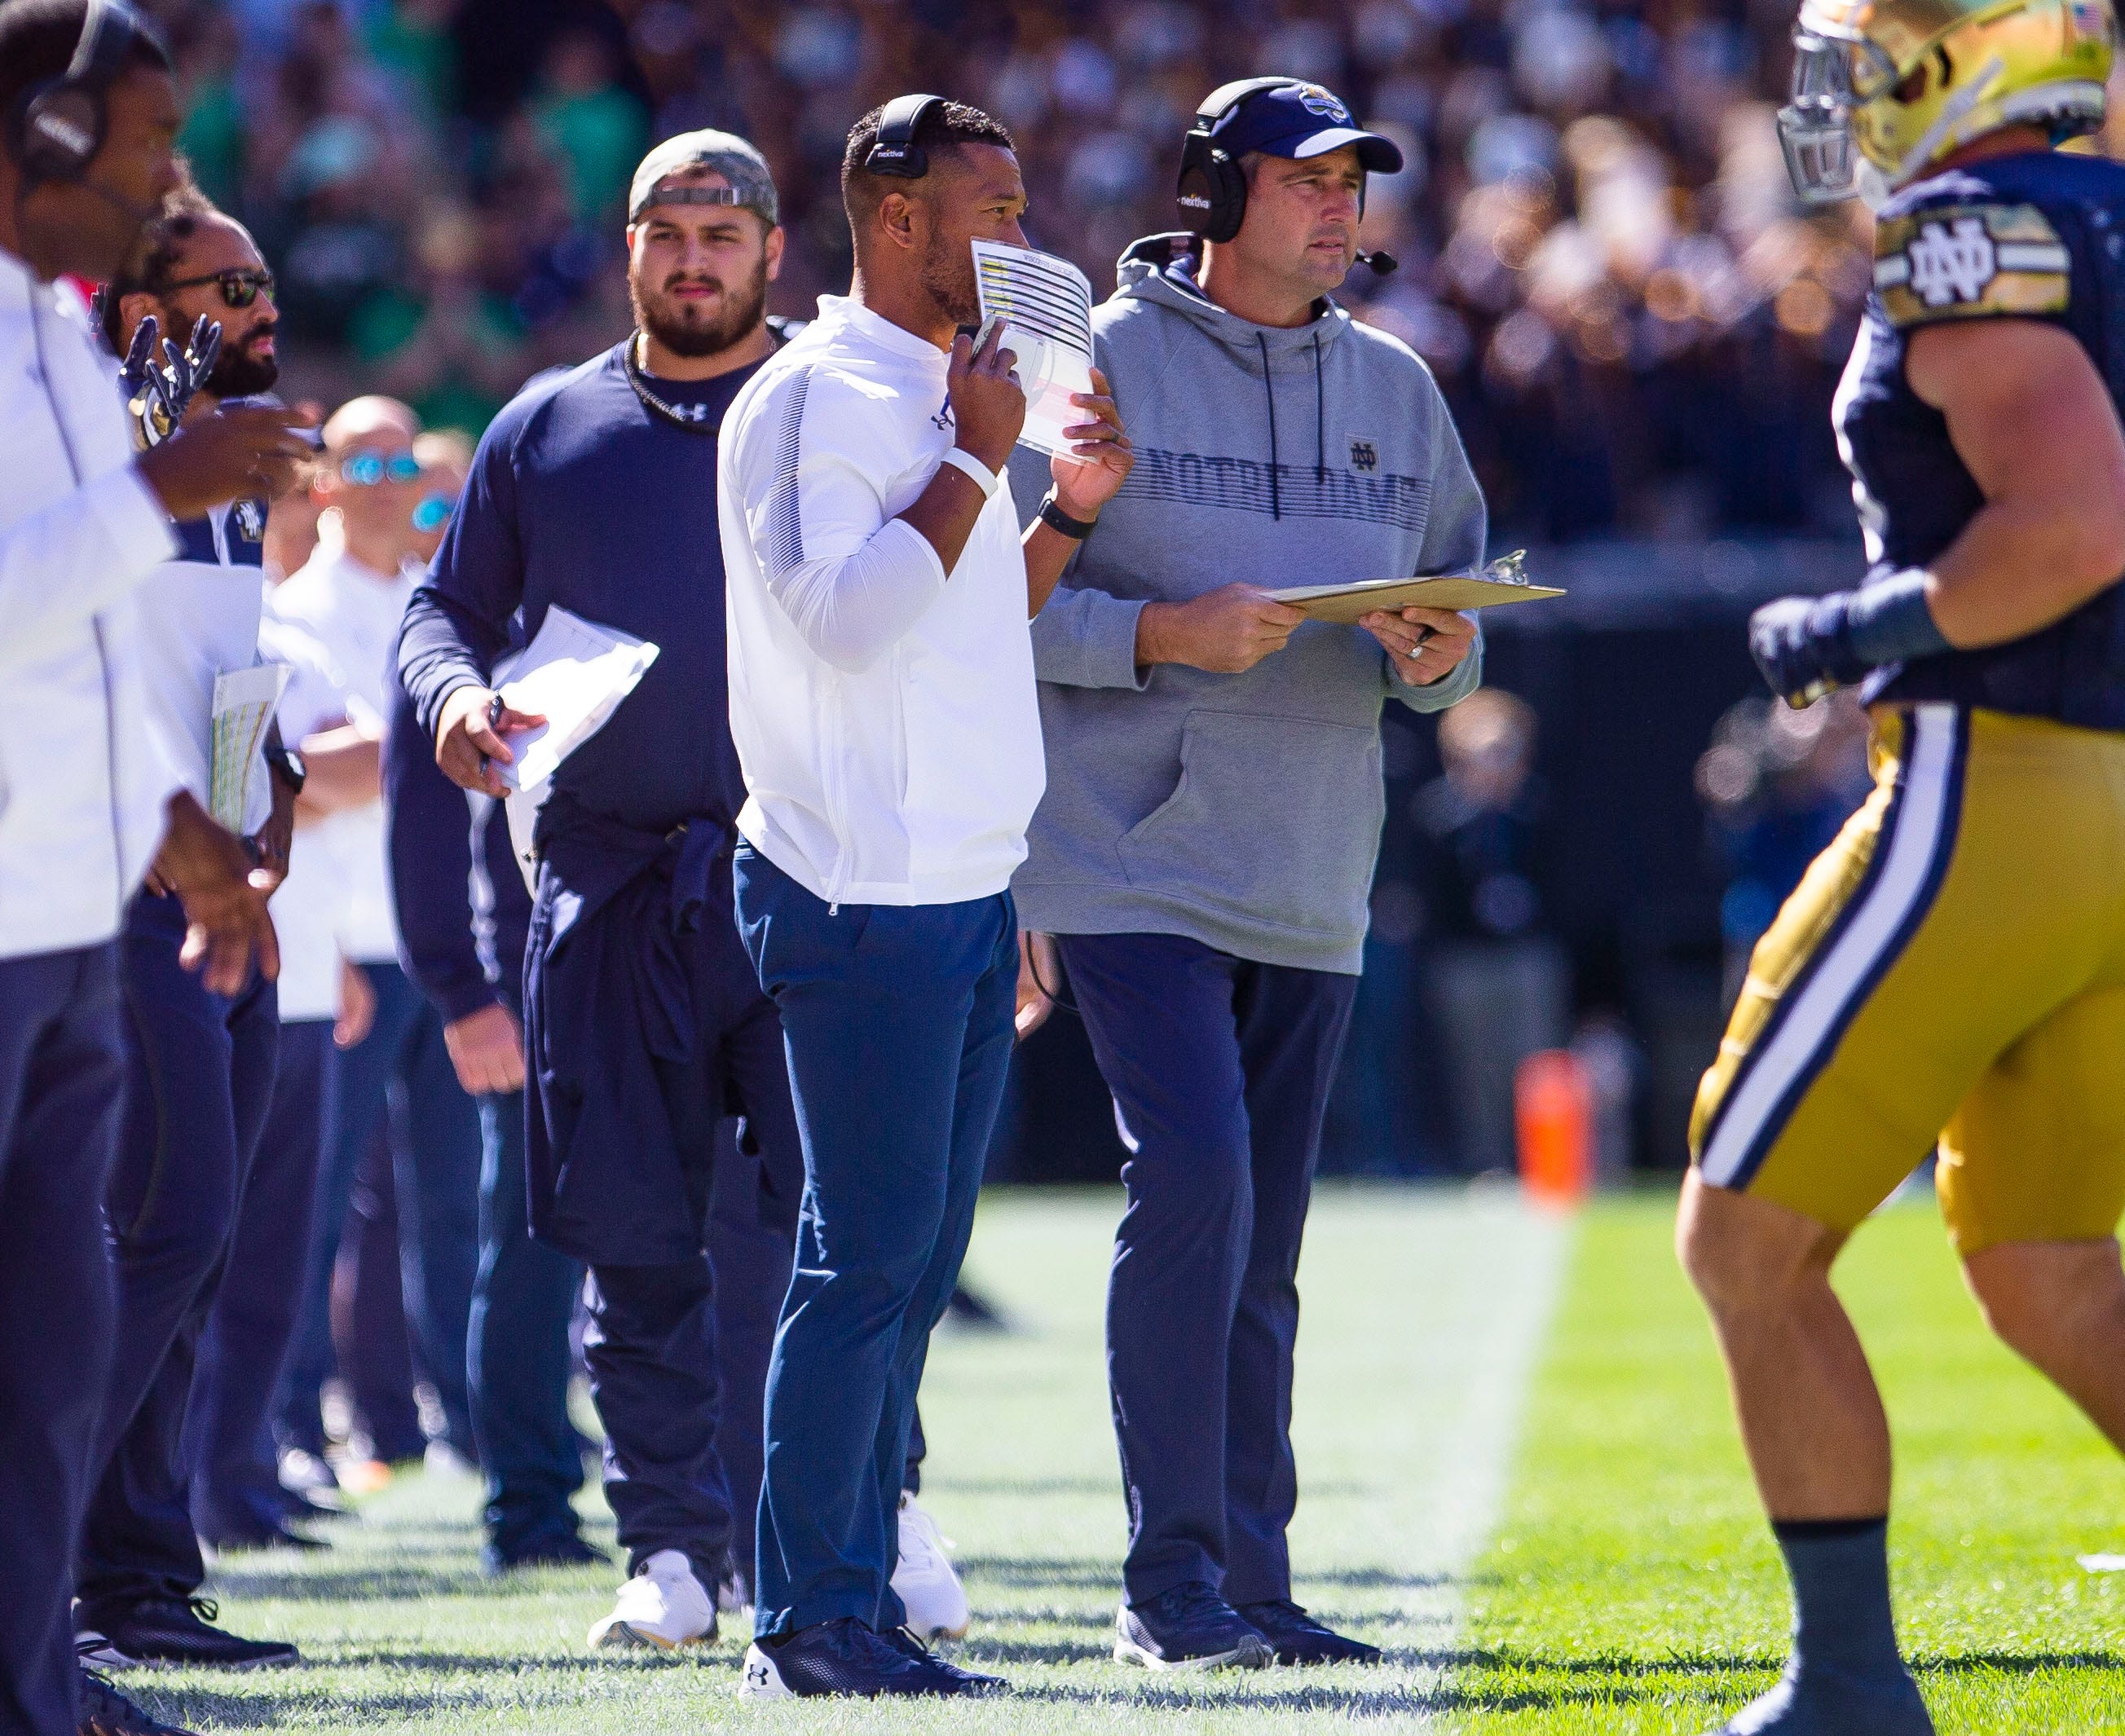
(287, 765)
(1056, 519)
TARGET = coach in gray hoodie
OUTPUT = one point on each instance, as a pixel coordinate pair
(1204, 851)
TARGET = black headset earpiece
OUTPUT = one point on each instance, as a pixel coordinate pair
(896, 153)
(1212, 188)
(58, 126)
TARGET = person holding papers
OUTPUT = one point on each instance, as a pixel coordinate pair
(90, 791)
(882, 704)
(199, 1066)
(594, 492)
(1205, 848)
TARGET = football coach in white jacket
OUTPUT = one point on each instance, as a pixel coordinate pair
(882, 703)
(88, 792)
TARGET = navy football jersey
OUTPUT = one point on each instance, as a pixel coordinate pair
(2039, 235)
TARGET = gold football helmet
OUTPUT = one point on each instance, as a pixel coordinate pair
(1908, 81)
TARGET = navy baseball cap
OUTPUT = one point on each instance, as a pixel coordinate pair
(1299, 119)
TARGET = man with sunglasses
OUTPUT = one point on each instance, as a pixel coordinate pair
(200, 1065)
(349, 598)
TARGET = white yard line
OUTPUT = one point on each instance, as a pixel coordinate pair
(1460, 1323)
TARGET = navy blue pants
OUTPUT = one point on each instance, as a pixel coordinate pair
(62, 1074)
(656, 1366)
(199, 1075)
(398, 1078)
(518, 1358)
(898, 1022)
(1220, 1069)
(236, 1487)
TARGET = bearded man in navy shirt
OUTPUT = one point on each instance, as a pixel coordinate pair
(594, 491)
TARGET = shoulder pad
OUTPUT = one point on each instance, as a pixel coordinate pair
(1970, 261)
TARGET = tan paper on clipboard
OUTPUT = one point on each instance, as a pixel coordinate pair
(574, 673)
(1501, 582)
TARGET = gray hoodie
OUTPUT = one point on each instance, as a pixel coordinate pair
(1241, 811)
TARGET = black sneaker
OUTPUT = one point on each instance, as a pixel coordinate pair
(842, 1657)
(1188, 1628)
(562, 1549)
(908, 1644)
(172, 1630)
(106, 1712)
(1298, 1639)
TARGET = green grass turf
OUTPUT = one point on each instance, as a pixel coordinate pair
(1631, 1587)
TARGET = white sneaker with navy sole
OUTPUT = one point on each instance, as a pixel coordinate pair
(664, 1604)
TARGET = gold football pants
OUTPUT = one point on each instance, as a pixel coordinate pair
(1951, 969)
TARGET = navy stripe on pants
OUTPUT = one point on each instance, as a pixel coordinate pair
(62, 1071)
(199, 1075)
(897, 1022)
(1220, 1068)
(236, 1485)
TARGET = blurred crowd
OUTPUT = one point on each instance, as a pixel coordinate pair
(1601, 257)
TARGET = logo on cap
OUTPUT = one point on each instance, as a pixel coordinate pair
(1318, 101)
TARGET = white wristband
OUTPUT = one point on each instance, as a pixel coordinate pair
(974, 470)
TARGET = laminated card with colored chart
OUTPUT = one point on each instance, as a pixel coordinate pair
(1046, 304)
(244, 701)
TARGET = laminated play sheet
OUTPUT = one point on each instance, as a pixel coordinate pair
(1047, 305)
(244, 701)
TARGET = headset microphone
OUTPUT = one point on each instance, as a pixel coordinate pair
(1381, 261)
(140, 214)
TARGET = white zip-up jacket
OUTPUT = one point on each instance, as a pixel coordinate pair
(84, 772)
(883, 712)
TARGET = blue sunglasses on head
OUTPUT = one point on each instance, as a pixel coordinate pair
(367, 469)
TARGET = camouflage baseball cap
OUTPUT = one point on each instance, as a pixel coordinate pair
(751, 183)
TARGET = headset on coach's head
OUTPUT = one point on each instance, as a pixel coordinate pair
(57, 127)
(896, 153)
(1212, 191)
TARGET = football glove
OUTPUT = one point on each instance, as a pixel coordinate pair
(158, 396)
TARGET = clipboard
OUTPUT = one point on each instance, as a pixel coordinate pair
(1502, 581)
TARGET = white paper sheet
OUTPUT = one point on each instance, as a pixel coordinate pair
(574, 673)
(244, 700)
(1047, 303)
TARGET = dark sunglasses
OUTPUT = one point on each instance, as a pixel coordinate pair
(239, 287)
(367, 469)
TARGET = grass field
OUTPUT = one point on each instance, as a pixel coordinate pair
(1607, 1574)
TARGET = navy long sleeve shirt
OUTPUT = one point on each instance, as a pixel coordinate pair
(463, 909)
(581, 496)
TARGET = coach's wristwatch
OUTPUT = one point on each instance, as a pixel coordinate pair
(287, 765)
(1059, 521)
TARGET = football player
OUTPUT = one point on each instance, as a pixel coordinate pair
(1952, 970)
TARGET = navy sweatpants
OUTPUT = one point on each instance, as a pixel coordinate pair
(199, 1075)
(898, 1022)
(399, 1078)
(518, 1358)
(236, 1486)
(62, 1074)
(1220, 1068)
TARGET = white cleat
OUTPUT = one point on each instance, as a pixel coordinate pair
(663, 1605)
(925, 1581)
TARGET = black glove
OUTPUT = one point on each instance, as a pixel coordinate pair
(1803, 645)
(159, 396)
